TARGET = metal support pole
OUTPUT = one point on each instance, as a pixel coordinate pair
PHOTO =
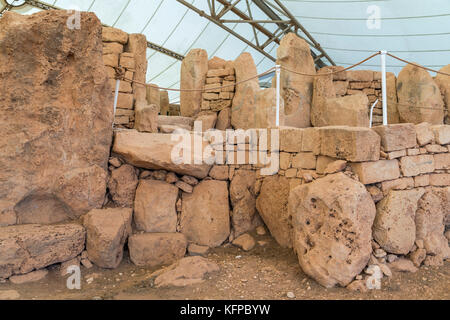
(383, 86)
(116, 96)
(277, 74)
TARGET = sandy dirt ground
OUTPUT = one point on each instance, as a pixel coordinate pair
(266, 272)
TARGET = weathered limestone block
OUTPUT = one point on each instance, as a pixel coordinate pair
(266, 109)
(154, 206)
(154, 151)
(376, 171)
(430, 225)
(442, 161)
(392, 99)
(440, 179)
(296, 90)
(332, 219)
(243, 201)
(28, 247)
(193, 74)
(207, 119)
(224, 119)
(153, 96)
(146, 117)
(205, 216)
(110, 34)
(154, 249)
(441, 133)
(182, 122)
(122, 185)
(415, 165)
(243, 110)
(424, 133)
(137, 45)
(397, 136)
(416, 87)
(394, 227)
(272, 206)
(57, 113)
(349, 143)
(443, 83)
(107, 230)
(291, 139)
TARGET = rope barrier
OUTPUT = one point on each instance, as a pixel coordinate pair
(417, 65)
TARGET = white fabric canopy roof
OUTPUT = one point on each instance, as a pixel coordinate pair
(415, 30)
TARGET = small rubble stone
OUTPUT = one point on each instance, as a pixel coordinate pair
(190, 180)
(418, 256)
(402, 265)
(245, 242)
(29, 277)
(260, 231)
(171, 177)
(197, 250)
(357, 285)
(184, 186)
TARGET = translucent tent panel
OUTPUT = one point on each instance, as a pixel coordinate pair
(415, 30)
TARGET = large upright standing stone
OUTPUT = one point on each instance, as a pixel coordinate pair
(193, 74)
(332, 219)
(56, 110)
(294, 53)
(443, 83)
(137, 44)
(243, 108)
(419, 98)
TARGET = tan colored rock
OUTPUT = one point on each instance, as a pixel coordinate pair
(349, 143)
(291, 139)
(266, 109)
(29, 247)
(440, 179)
(296, 90)
(224, 119)
(122, 185)
(112, 48)
(146, 117)
(376, 171)
(430, 223)
(332, 219)
(137, 45)
(397, 184)
(416, 87)
(402, 265)
(350, 110)
(394, 227)
(182, 122)
(47, 158)
(183, 186)
(187, 271)
(205, 218)
(9, 295)
(424, 133)
(216, 63)
(272, 206)
(243, 201)
(219, 172)
(415, 165)
(442, 161)
(196, 250)
(154, 249)
(154, 206)
(304, 160)
(443, 82)
(34, 276)
(164, 102)
(208, 120)
(418, 256)
(107, 230)
(245, 242)
(244, 106)
(153, 151)
(392, 105)
(193, 74)
(397, 136)
(110, 34)
(441, 133)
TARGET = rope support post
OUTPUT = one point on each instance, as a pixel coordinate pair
(277, 74)
(383, 86)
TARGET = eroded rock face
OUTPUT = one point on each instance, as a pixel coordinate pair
(272, 205)
(416, 87)
(107, 231)
(429, 221)
(332, 219)
(28, 247)
(205, 217)
(243, 108)
(57, 112)
(154, 207)
(243, 200)
(193, 74)
(443, 82)
(394, 227)
(154, 151)
(294, 53)
(122, 185)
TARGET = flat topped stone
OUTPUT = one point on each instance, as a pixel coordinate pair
(154, 151)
